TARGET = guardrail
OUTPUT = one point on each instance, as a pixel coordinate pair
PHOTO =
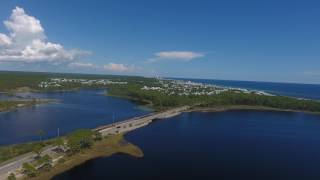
(142, 118)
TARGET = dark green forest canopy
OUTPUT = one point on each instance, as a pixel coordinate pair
(162, 101)
(11, 80)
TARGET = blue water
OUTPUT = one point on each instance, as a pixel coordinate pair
(79, 109)
(241, 145)
(309, 91)
(222, 145)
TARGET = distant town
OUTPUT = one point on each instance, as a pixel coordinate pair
(166, 86)
(60, 82)
(188, 88)
(166, 98)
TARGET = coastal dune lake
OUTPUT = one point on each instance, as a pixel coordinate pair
(221, 145)
(232, 145)
(77, 109)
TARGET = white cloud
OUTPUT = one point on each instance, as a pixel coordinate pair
(4, 40)
(176, 55)
(114, 67)
(27, 42)
(82, 65)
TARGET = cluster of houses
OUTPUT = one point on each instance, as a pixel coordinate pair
(187, 88)
(58, 82)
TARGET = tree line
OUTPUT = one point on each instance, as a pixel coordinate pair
(161, 100)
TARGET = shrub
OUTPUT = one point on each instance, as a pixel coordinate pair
(29, 170)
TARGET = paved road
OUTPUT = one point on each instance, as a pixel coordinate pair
(8, 167)
(16, 163)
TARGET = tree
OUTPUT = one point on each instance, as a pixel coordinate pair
(41, 133)
(37, 149)
(29, 170)
(79, 140)
(46, 163)
(97, 136)
(12, 176)
(59, 142)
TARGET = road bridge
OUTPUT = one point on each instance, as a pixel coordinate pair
(138, 122)
(115, 128)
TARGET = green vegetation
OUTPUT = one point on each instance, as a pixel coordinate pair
(28, 170)
(37, 148)
(102, 148)
(12, 151)
(59, 141)
(279, 102)
(12, 177)
(83, 144)
(27, 81)
(11, 81)
(79, 140)
(161, 101)
(9, 105)
(45, 163)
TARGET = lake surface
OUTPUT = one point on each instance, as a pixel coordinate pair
(79, 109)
(223, 145)
(309, 91)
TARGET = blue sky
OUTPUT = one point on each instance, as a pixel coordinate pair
(239, 40)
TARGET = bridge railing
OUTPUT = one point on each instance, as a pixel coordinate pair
(158, 114)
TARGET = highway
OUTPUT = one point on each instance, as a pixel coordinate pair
(119, 127)
(7, 167)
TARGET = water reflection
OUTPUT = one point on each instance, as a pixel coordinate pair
(227, 145)
(79, 109)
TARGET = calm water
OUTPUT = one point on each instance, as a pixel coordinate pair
(310, 91)
(225, 145)
(80, 109)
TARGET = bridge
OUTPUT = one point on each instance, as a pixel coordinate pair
(114, 128)
(138, 122)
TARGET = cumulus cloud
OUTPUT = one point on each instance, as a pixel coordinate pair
(176, 55)
(4, 40)
(27, 42)
(114, 67)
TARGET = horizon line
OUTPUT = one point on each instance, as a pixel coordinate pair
(183, 78)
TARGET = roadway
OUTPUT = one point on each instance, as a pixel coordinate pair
(7, 167)
(119, 127)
